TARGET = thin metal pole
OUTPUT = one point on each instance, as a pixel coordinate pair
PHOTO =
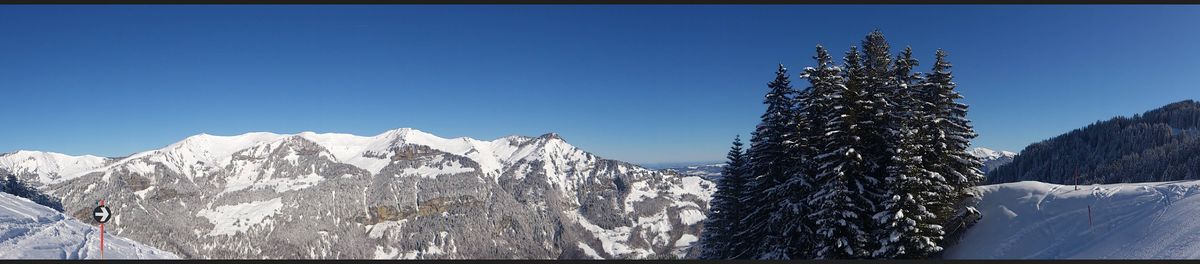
(102, 234)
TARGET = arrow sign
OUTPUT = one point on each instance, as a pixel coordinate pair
(101, 214)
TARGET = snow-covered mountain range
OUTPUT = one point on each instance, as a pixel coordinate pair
(1035, 220)
(32, 231)
(42, 168)
(400, 194)
(711, 172)
(992, 158)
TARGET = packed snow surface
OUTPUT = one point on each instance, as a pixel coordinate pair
(32, 231)
(1034, 220)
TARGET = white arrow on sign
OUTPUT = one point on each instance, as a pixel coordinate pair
(103, 214)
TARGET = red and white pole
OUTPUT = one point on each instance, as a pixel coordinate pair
(102, 234)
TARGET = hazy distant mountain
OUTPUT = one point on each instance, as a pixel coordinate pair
(400, 194)
(709, 170)
(1159, 145)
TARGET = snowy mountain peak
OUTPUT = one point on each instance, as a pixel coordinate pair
(550, 135)
(385, 190)
(45, 155)
(210, 149)
(48, 167)
(519, 138)
(201, 153)
(989, 154)
(992, 159)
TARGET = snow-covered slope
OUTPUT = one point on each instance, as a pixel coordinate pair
(1034, 220)
(32, 231)
(992, 159)
(44, 168)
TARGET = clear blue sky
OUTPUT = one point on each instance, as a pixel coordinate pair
(644, 84)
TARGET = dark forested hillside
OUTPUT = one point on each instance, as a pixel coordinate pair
(1159, 145)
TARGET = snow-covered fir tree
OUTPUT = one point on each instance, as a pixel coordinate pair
(771, 162)
(790, 221)
(879, 120)
(907, 226)
(878, 84)
(906, 102)
(842, 204)
(869, 161)
(813, 104)
(952, 133)
(725, 210)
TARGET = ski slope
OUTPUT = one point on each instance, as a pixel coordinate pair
(32, 231)
(1034, 220)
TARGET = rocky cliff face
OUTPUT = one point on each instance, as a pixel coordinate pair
(400, 194)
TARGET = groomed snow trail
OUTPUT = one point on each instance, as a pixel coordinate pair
(32, 231)
(1035, 220)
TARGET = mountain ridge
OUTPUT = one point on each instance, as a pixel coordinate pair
(240, 142)
(245, 196)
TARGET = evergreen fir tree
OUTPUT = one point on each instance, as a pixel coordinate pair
(869, 161)
(880, 119)
(842, 205)
(790, 221)
(725, 210)
(770, 164)
(905, 94)
(903, 109)
(952, 134)
(907, 228)
(814, 103)
(880, 85)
